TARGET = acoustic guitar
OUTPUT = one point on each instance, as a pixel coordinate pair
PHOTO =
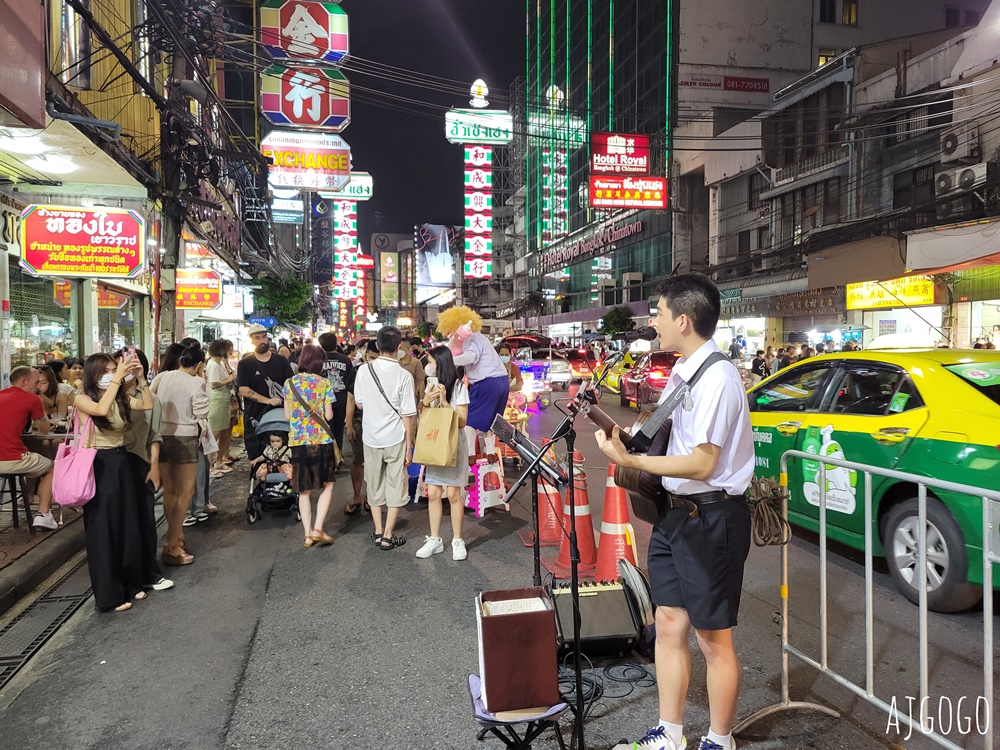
(651, 437)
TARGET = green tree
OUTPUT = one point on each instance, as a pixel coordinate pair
(617, 320)
(286, 299)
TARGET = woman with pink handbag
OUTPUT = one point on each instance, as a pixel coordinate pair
(112, 518)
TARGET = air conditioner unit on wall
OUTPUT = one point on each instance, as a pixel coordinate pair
(955, 209)
(960, 143)
(961, 179)
(606, 292)
(633, 287)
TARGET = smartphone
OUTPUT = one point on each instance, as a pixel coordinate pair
(432, 382)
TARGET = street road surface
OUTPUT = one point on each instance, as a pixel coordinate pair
(264, 644)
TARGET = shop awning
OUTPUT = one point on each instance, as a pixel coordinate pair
(66, 163)
(954, 248)
(768, 284)
(876, 259)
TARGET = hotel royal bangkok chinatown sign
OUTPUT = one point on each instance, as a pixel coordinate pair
(477, 130)
(304, 94)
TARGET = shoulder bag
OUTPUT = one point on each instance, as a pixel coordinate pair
(382, 390)
(73, 470)
(338, 458)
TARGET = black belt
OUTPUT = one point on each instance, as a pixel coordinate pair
(693, 501)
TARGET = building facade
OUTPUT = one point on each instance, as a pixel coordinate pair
(682, 73)
(860, 204)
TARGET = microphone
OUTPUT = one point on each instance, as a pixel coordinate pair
(645, 334)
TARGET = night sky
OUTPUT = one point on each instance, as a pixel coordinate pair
(417, 173)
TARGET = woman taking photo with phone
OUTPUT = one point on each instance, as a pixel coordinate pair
(112, 519)
(448, 390)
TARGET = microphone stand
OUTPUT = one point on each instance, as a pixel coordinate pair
(574, 550)
(565, 431)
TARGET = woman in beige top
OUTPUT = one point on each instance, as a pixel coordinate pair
(184, 402)
(112, 519)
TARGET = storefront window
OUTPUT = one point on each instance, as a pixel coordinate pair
(985, 323)
(116, 314)
(43, 318)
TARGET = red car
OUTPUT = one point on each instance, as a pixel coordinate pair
(580, 361)
(643, 384)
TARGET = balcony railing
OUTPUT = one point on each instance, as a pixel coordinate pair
(817, 163)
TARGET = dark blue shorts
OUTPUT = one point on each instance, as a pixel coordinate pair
(699, 566)
(487, 398)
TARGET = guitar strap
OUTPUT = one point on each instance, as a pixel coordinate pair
(678, 396)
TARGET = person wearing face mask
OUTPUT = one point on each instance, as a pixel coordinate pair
(112, 519)
(412, 365)
(260, 379)
(513, 371)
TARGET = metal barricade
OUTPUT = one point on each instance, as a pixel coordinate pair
(991, 555)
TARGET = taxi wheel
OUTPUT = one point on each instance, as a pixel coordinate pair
(623, 399)
(947, 557)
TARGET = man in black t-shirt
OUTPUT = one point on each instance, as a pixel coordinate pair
(260, 378)
(759, 365)
(339, 370)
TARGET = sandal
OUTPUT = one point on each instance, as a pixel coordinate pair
(376, 538)
(309, 542)
(352, 509)
(367, 507)
(387, 543)
(178, 558)
(140, 596)
(224, 468)
(321, 537)
(122, 607)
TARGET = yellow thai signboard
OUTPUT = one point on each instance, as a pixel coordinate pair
(908, 291)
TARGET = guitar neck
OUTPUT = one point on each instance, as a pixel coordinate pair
(606, 423)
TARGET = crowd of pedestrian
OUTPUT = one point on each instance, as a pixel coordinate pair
(174, 432)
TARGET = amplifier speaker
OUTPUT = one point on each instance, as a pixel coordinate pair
(609, 620)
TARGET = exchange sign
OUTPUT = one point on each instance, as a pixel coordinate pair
(628, 192)
(303, 30)
(308, 98)
(198, 289)
(616, 153)
(307, 161)
(74, 241)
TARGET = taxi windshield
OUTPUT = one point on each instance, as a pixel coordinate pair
(983, 376)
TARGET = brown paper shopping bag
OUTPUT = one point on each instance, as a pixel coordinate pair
(436, 443)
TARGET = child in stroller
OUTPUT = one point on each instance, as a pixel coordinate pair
(271, 474)
(276, 459)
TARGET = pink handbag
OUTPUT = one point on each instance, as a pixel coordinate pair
(73, 473)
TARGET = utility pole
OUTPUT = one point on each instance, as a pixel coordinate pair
(173, 209)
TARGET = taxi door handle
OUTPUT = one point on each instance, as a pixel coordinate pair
(891, 435)
(788, 428)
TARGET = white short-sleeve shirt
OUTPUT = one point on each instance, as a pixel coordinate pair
(717, 412)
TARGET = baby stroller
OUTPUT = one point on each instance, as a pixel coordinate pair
(275, 493)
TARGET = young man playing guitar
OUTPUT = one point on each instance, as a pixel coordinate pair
(701, 541)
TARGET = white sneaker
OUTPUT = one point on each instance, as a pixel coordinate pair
(162, 585)
(432, 546)
(458, 549)
(211, 508)
(655, 739)
(45, 521)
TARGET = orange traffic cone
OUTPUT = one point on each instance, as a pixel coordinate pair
(550, 512)
(617, 537)
(560, 567)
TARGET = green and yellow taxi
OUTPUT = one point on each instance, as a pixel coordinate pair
(616, 373)
(931, 413)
